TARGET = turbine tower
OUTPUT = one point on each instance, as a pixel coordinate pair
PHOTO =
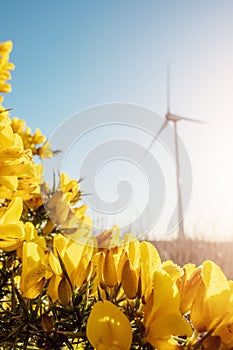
(170, 117)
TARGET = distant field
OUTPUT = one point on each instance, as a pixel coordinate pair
(195, 251)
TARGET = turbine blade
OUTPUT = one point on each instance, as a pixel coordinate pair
(155, 138)
(174, 117)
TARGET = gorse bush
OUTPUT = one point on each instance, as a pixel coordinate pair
(62, 288)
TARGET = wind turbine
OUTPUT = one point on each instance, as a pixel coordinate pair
(170, 117)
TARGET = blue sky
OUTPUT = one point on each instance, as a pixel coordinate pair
(75, 54)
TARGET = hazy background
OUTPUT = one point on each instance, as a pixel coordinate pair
(75, 54)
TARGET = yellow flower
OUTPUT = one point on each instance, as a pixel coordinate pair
(13, 232)
(222, 326)
(162, 318)
(131, 263)
(35, 270)
(35, 142)
(45, 151)
(106, 270)
(97, 272)
(35, 201)
(224, 329)
(11, 229)
(188, 284)
(4, 87)
(212, 297)
(136, 266)
(5, 66)
(6, 47)
(150, 261)
(38, 138)
(69, 187)
(174, 271)
(76, 258)
(129, 266)
(130, 279)
(7, 137)
(18, 125)
(61, 211)
(167, 344)
(18, 174)
(109, 269)
(31, 235)
(108, 328)
(63, 215)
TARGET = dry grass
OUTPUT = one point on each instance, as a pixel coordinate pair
(196, 251)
